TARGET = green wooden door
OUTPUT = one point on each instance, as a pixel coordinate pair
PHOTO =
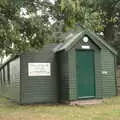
(85, 74)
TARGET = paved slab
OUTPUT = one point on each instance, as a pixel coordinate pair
(86, 102)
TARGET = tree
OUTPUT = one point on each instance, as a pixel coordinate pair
(74, 12)
(107, 10)
(99, 16)
(19, 33)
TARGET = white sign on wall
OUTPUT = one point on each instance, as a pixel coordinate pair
(105, 72)
(85, 47)
(39, 69)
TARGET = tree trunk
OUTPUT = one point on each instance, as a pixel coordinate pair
(109, 32)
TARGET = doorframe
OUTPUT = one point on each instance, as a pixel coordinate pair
(86, 97)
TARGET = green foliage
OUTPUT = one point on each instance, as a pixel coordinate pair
(82, 12)
(18, 33)
(92, 14)
(99, 16)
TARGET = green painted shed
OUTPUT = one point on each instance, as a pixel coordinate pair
(82, 66)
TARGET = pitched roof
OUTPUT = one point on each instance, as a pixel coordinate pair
(72, 37)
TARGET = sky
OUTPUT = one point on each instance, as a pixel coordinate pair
(23, 13)
(52, 1)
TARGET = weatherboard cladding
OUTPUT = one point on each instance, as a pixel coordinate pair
(72, 70)
(15, 79)
(98, 77)
(108, 64)
(63, 75)
(12, 89)
(104, 61)
(69, 69)
(39, 89)
(24, 89)
(62, 84)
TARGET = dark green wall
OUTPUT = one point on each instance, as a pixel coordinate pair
(61, 85)
(18, 86)
(10, 80)
(72, 69)
(39, 89)
(104, 61)
(63, 82)
(108, 64)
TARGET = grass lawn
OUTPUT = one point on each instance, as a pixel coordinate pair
(108, 110)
